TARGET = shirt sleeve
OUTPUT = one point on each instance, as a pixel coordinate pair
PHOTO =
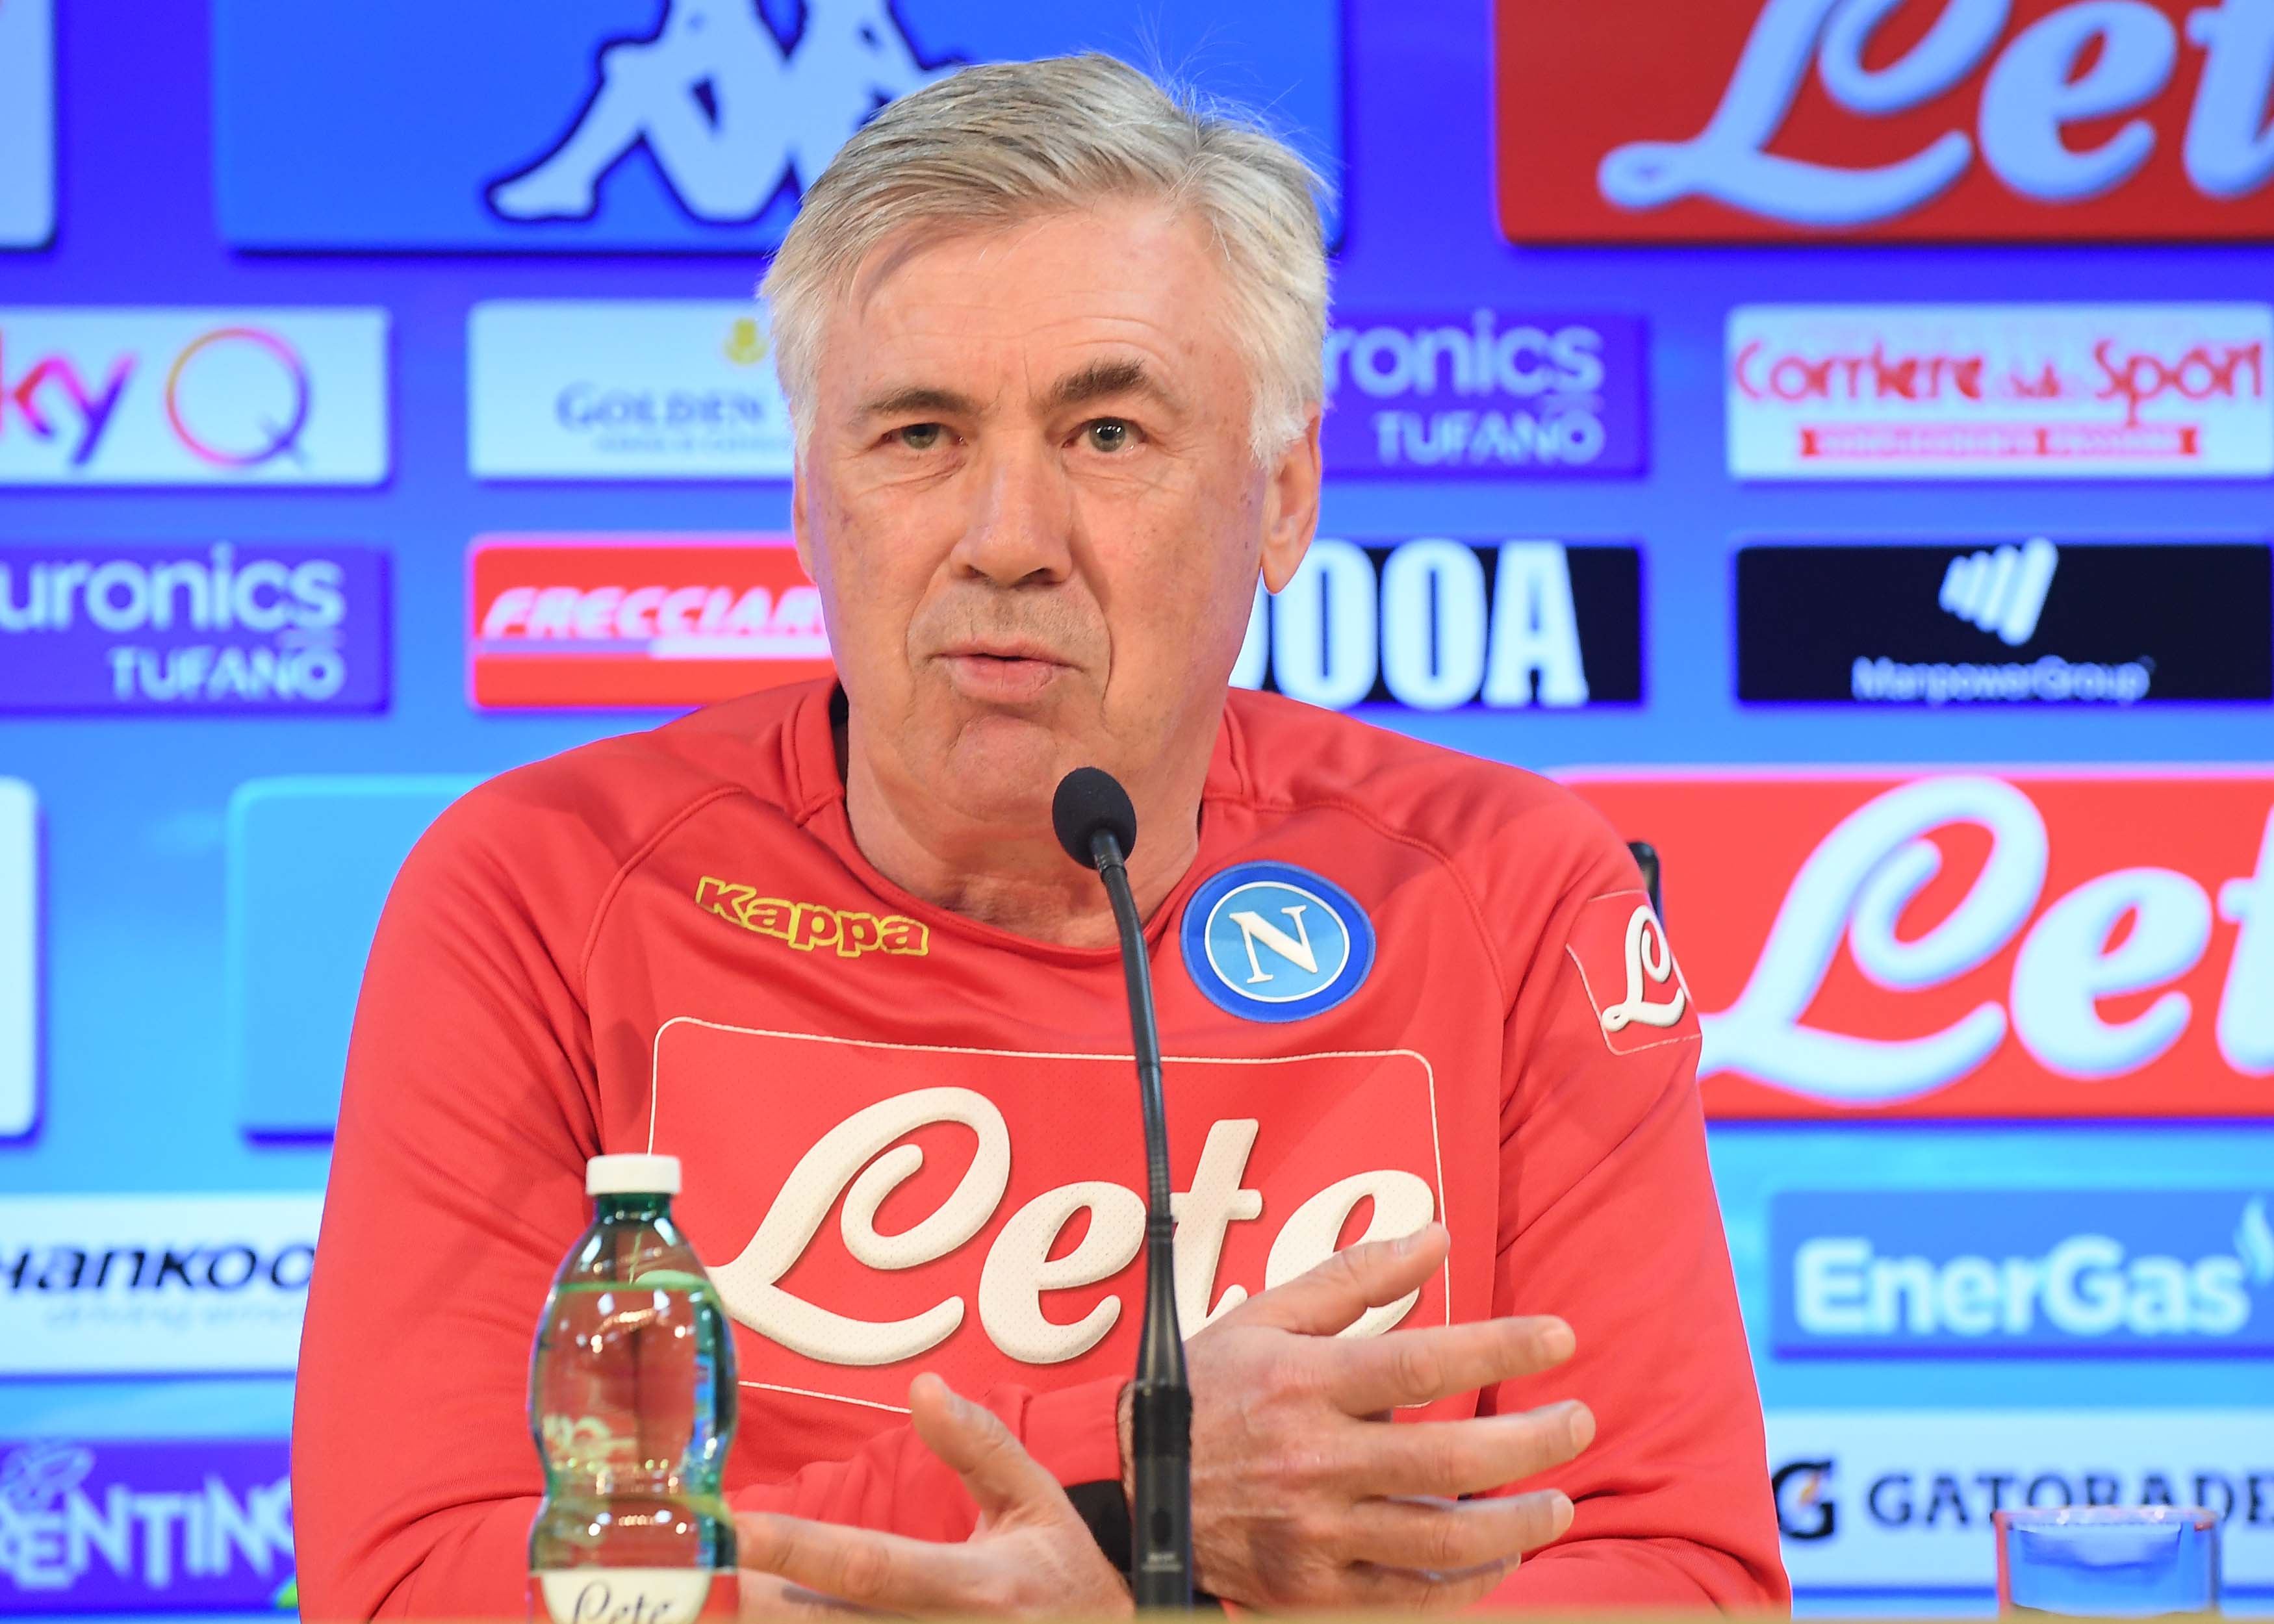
(1608, 1219)
(470, 1109)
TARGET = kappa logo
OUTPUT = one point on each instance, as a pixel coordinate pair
(2002, 592)
(1626, 967)
(1270, 942)
(805, 926)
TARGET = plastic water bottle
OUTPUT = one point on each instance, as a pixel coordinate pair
(631, 1399)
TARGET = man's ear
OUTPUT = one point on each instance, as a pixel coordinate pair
(1291, 506)
(797, 520)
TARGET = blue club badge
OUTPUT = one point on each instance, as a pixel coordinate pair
(1268, 940)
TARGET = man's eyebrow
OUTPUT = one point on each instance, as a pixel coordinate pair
(919, 398)
(1125, 375)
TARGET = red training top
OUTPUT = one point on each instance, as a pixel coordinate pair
(1397, 983)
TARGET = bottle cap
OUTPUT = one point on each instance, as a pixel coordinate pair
(632, 1176)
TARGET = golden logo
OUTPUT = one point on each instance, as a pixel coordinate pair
(745, 346)
(805, 926)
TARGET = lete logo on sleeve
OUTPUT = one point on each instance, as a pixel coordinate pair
(1626, 965)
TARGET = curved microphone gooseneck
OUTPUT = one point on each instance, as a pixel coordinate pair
(1097, 825)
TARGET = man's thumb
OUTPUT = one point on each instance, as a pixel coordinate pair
(973, 1441)
(1332, 1295)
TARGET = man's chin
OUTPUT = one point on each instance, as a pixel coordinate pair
(1004, 767)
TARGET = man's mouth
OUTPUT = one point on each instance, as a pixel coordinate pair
(1002, 673)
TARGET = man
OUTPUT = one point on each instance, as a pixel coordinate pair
(1053, 345)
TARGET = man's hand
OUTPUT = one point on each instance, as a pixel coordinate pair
(1303, 1494)
(1031, 1556)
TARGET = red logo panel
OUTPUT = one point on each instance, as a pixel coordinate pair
(1969, 943)
(597, 621)
(1935, 120)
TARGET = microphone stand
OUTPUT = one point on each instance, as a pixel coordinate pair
(1161, 1408)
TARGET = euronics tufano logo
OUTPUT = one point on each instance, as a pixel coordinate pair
(153, 1285)
(805, 926)
(2002, 590)
(1960, 1274)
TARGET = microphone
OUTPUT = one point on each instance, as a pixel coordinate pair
(1097, 825)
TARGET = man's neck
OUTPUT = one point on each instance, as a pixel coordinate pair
(1022, 882)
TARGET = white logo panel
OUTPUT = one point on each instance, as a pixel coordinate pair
(19, 959)
(624, 389)
(27, 123)
(153, 1285)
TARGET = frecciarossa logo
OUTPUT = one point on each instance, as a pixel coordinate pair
(1969, 943)
(1955, 119)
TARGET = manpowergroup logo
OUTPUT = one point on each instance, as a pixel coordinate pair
(1768, 120)
(624, 389)
(2030, 622)
(225, 627)
(1433, 623)
(601, 621)
(154, 396)
(1484, 391)
(106, 1525)
(1964, 1274)
(2028, 943)
(1900, 1500)
(136, 1285)
(27, 123)
(2000, 391)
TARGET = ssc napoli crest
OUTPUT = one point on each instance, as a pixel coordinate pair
(1270, 942)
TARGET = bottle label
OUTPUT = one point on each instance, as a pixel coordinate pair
(635, 1595)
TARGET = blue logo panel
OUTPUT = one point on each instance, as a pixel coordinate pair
(1271, 941)
(652, 125)
(1965, 1273)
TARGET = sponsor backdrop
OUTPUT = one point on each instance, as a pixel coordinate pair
(1836, 434)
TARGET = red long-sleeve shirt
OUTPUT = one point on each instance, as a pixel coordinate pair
(1396, 983)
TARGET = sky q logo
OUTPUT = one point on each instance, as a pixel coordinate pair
(1484, 393)
(2008, 120)
(2026, 945)
(1963, 1274)
(2000, 391)
(188, 397)
(629, 620)
(652, 125)
(233, 627)
(134, 1285)
(1437, 622)
(106, 1526)
(27, 123)
(19, 959)
(624, 389)
(1900, 1500)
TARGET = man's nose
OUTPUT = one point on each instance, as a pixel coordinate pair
(1022, 531)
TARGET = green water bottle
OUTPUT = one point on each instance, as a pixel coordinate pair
(631, 1399)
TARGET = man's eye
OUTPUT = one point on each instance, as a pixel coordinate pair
(918, 436)
(1107, 434)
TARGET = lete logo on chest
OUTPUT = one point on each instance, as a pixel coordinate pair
(1626, 966)
(1271, 941)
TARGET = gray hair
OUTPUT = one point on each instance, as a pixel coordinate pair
(996, 145)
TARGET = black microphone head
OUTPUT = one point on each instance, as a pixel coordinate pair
(1089, 799)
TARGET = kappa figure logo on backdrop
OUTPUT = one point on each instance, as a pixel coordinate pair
(729, 113)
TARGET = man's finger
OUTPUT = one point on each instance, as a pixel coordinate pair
(1335, 1293)
(888, 1572)
(1420, 1366)
(1410, 1591)
(1444, 1535)
(1450, 1458)
(973, 1441)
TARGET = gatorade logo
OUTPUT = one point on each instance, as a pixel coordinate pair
(805, 926)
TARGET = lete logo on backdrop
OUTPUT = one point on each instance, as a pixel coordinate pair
(105, 1526)
(242, 628)
(1484, 393)
(1999, 391)
(629, 621)
(1970, 944)
(1962, 1273)
(2014, 120)
(183, 397)
(1434, 623)
(1900, 1500)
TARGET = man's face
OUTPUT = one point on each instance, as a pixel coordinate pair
(1030, 505)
